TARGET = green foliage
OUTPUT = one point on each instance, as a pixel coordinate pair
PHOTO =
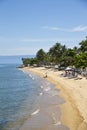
(68, 57)
(56, 52)
(81, 60)
(41, 56)
(70, 52)
(26, 61)
(29, 61)
(83, 46)
(59, 54)
(33, 61)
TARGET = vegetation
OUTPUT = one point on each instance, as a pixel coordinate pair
(61, 55)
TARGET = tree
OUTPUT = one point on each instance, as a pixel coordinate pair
(56, 52)
(68, 57)
(59, 54)
(26, 61)
(33, 61)
(40, 56)
(83, 46)
(81, 60)
(70, 52)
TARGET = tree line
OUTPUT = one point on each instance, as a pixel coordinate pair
(60, 55)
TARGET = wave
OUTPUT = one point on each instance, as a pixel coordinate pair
(41, 86)
(35, 112)
(30, 75)
(41, 94)
(47, 89)
(32, 78)
(53, 93)
(58, 123)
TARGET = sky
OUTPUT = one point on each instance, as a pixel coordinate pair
(29, 25)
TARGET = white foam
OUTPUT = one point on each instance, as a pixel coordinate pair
(30, 75)
(58, 123)
(55, 94)
(33, 78)
(41, 94)
(47, 89)
(35, 112)
(24, 71)
(41, 86)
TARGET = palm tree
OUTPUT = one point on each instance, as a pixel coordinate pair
(83, 46)
(56, 52)
(40, 56)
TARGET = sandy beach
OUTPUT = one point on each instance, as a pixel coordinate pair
(74, 92)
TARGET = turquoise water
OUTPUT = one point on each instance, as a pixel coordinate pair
(25, 96)
(16, 91)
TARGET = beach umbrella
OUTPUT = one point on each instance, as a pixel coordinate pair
(68, 69)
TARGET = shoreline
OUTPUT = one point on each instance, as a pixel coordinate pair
(73, 110)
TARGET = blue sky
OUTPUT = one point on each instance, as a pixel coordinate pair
(28, 25)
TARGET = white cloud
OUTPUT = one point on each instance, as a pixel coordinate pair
(79, 28)
(46, 40)
(32, 40)
(37, 40)
(47, 43)
(55, 28)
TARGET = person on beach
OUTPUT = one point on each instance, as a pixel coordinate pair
(45, 75)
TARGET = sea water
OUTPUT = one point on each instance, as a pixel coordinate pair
(28, 100)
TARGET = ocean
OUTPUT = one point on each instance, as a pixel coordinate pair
(25, 98)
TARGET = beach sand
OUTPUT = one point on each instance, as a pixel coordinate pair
(74, 92)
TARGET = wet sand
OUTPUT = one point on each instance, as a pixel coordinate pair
(74, 110)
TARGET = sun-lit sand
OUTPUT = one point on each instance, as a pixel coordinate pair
(74, 110)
